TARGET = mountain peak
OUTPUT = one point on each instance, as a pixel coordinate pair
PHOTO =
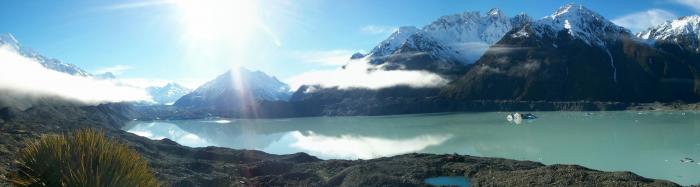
(168, 93)
(495, 12)
(684, 31)
(572, 11)
(394, 41)
(450, 42)
(579, 22)
(686, 25)
(569, 9)
(50, 63)
(105, 76)
(236, 88)
(357, 55)
(9, 39)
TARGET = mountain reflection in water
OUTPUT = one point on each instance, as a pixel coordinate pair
(651, 144)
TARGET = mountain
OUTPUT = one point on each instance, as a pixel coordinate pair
(235, 89)
(577, 54)
(105, 76)
(683, 32)
(448, 45)
(50, 63)
(168, 93)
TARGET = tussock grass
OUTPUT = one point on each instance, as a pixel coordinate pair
(83, 158)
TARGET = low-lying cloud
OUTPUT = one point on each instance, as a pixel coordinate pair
(28, 79)
(357, 75)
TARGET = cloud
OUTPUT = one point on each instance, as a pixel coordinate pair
(138, 4)
(695, 4)
(375, 29)
(504, 49)
(28, 79)
(116, 70)
(640, 21)
(336, 57)
(356, 75)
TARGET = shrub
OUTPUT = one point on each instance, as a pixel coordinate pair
(83, 158)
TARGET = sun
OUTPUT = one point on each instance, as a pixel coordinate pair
(208, 21)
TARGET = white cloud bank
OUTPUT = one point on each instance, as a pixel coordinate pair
(25, 76)
(640, 21)
(139, 4)
(356, 75)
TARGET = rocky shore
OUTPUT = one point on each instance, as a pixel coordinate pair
(393, 106)
(212, 166)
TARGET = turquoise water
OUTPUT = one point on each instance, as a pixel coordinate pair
(651, 144)
(448, 181)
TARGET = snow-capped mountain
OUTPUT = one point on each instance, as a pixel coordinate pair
(50, 63)
(395, 40)
(234, 89)
(576, 54)
(447, 45)
(168, 93)
(577, 22)
(684, 31)
(105, 76)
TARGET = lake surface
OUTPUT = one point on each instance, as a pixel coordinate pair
(651, 144)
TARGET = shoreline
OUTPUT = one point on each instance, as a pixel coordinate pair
(298, 110)
(214, 166)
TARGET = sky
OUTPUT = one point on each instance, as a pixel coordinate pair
(194, 41)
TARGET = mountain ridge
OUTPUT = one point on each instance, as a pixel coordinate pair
(447, 46)
(235, 89)
(576, 54)
(50, 63)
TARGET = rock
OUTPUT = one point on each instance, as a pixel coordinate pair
(687, 160)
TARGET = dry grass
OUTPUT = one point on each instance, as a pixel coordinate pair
(83, 158)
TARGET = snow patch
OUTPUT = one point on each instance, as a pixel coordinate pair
(671, 30)
(579, 22)
(450, 36)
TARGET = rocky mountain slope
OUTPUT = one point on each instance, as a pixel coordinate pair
(684, 32)
(572, 55)
(576, 54)
(446, 46)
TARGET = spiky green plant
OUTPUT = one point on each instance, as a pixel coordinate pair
(83, 158)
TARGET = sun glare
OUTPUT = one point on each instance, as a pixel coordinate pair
(219, 20)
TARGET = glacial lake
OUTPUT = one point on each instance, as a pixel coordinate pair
(651, 144)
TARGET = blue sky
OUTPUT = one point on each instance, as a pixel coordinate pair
(156, 39)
